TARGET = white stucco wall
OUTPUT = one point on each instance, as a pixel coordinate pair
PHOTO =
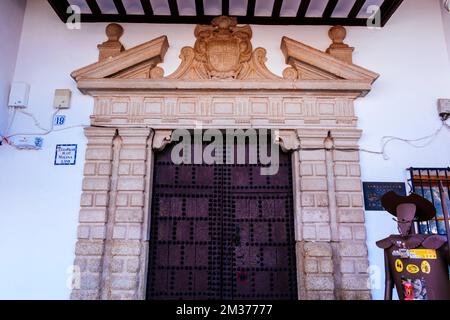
(11, 20)
(40, 202)
(446, 22)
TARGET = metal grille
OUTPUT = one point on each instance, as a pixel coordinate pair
(425, 182)
(221, 232)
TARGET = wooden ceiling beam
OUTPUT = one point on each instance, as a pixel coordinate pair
(199, 8)
(147, 6)
(277, 8)
(93, 5)
(329, 9)
(173, 5)
(225, 7)
(251, 8)
(120, 7)
(387, 10)
(303, 8)
(60, 7)
(356, 9)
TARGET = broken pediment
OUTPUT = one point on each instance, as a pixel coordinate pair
(307, 63)
(223, 58)
(139, 62)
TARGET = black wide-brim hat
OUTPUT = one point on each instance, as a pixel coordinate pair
(425, 210)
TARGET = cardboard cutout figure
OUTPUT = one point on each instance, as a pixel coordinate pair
(416, 264)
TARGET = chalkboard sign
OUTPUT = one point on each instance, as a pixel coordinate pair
(373, 191)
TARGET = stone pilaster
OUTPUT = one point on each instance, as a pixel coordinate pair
(94, 212)
(126, 223)
(315, 241)
(350, 212)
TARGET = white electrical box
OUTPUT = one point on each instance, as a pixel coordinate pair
(62, 99)
(18, 96)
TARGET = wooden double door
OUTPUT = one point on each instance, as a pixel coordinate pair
(221, 231)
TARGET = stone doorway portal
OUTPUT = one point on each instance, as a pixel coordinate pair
(221, 231)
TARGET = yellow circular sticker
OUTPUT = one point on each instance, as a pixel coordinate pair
(425, 267)
(398, 265)
(412, 268)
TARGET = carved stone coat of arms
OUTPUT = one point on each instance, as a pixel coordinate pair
(223, 47)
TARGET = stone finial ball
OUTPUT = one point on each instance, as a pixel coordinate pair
(337, 34)
(114, 31)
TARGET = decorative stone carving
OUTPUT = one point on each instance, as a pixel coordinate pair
(161, 139)
(113, 46)
(137, 63)
(338, 48)
(287, 139)
(223, 50)
(313, 64)
(210, 89)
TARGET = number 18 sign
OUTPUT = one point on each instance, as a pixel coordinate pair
(66, 154)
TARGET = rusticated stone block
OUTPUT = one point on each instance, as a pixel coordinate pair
(119, 232)
(348, 184)
(326, 266)
(133, 265)
(122, 282)
(134, 232)
(96, 184)
(323, 232)
(89, 281)
(104, 169)
(133, 154)
(92, 215)
(356, 295)
(322, 200)
(98, 153)
(101, 199)
(98, 232)
(342, 200)
(317, 249)
(340, 170)
(129, 215)
(353, 249)
(94, 265)
(307, 200)
(351, 215)
(130, 184)
(346, 156)
(347, 266)
(320, 169)
(126, 247)
(117, 265)
(355, 282)
(89, 247)
(309, 232)
(306, 169)
(319, 282)
(311, 266)
(139, 168)
(137, 200)
(314, 184)
(357, 200)
(359, 232)
(354, 170)
(90, 169)
(345, 232)
(315, 215)
(83, 232)
(124, 169)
